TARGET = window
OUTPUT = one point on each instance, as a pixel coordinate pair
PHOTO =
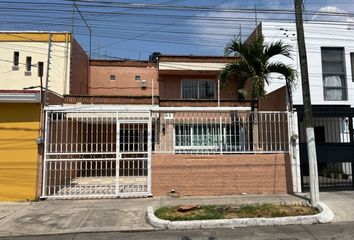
(333, 70)
(352, 65)
(198, 89)
(28, 64)
(16, 58)
(112, 77)
(207, 137)
(137, 78)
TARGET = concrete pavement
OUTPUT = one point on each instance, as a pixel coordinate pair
(341, 203)
(338, 231)
(99, 215)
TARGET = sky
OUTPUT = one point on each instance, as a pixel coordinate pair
(123, 29)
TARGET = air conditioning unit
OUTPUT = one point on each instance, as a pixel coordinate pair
(143, 83)
(168, 116)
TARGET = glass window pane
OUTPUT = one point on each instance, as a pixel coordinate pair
(333, 70)
(189, 89)
(206, 135)
(333, 54)
(206, 89)
(28, 64)
(332, 67)
(333, 81)
(334, 94)
(183, 135)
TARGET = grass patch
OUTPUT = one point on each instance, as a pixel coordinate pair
(230, 211)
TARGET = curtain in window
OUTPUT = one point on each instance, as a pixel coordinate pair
(333, 93)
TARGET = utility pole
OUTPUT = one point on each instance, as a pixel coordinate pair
(255, 18)
(40, 139)
(48, 68)
(309, 123)
(241, 33)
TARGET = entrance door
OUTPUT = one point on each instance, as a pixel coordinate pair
(133, 158)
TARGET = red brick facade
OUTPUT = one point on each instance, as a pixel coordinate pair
(221, 174)
(128, 77)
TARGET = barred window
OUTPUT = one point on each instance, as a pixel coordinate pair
(198, 89)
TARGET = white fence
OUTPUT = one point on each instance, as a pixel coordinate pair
(108, 153)
(220, 132)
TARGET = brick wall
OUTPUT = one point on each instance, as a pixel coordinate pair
(125, 83)
(79, 70)
(221, 174)
(170, 85)
(274, 101)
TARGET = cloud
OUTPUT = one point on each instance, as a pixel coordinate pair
(334, 14)
(223, 26)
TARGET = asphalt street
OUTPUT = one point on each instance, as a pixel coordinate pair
(334, 231)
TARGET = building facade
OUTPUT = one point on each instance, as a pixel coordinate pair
(330, 56)
(20, 100)
(189, 137)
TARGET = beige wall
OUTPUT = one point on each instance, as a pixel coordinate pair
(125, 83)
(16, 79)
(200, 175)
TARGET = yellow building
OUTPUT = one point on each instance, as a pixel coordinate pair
(20, 108)
(19, 128)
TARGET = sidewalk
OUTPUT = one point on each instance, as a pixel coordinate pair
(72, 216)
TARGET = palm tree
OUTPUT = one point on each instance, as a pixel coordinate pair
(254, 64)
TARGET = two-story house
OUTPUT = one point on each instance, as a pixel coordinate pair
(330, 56)
(160, 127)
(21, 53)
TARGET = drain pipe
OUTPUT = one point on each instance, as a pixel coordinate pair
(218, 92)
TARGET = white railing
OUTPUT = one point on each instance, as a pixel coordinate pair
(108, 153)
(212, 132)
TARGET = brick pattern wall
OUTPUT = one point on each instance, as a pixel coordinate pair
(72, 99)
(221, 174)
(125, 83)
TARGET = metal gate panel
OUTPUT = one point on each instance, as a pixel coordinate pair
(334, 147)
(85, 155)
(134, 158)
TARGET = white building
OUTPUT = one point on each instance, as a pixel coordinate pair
(330, 57)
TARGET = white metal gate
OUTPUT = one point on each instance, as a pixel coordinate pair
(97, 154)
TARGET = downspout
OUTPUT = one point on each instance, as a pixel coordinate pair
(218, 92)
(66, 63)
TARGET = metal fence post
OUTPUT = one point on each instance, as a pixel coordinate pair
(117, 152)
(149, 152)
(44, 177)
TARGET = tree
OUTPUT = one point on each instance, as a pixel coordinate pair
(254, 64)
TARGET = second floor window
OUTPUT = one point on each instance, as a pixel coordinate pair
(16, 58)
(333, 71)
(198, 89)
(28, 64)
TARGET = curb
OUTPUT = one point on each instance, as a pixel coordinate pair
(325, 216)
